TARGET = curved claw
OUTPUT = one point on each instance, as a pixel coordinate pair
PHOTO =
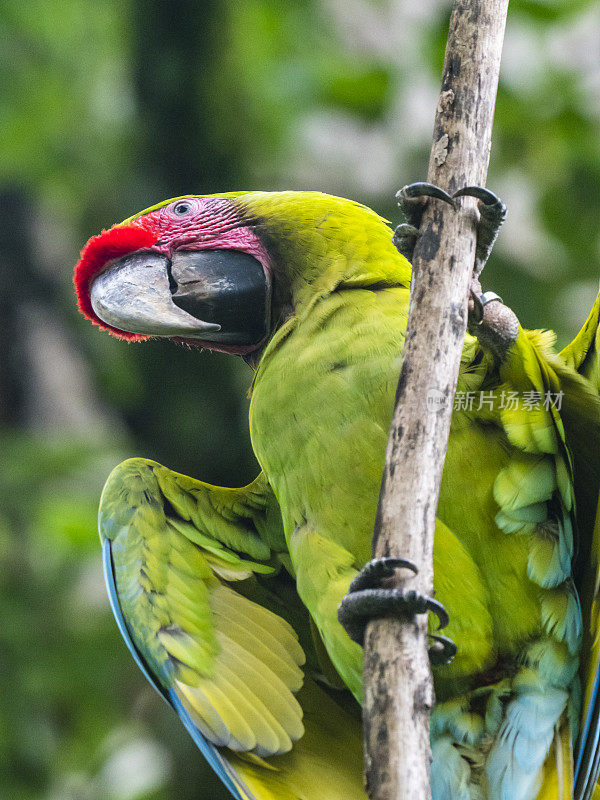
(493, 213)
(394, 563)
(438, 609)
(371, 574)
(367, 599)
(443, 654)
(413, 191)
(487, 198)
(360, 605)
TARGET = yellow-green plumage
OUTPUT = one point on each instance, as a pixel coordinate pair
(322, 399)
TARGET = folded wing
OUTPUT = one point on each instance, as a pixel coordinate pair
(175, 553)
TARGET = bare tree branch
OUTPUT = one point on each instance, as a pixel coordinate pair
(397, 677)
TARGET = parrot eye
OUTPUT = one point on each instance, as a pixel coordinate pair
(181, 209)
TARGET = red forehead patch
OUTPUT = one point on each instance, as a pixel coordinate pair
(99, 250)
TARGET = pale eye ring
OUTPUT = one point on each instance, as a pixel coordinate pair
(181, 209)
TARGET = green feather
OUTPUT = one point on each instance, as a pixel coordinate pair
(519, 478)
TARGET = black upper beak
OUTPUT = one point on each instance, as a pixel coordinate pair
(212, 295)
(226, 287)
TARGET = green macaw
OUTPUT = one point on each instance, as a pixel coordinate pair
(228, 598)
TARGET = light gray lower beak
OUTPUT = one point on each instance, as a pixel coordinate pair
(134, 295)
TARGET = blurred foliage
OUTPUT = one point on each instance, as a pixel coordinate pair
(111, 106)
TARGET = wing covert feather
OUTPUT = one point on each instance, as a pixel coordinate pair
(169, 546)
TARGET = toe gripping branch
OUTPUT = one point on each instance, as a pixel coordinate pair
(497, 327)
(367, 599)
(411, 200)
(492, 213)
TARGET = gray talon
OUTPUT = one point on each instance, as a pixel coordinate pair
(411, 201)
(367, 600)
(438, 609)
(492, 212)
(370, 575)
(487, 198)
(413, 191)
(443, 651)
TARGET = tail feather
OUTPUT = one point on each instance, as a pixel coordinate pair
(325, 764)
(583, 353)
(557, 773)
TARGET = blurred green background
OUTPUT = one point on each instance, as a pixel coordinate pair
(108, 107)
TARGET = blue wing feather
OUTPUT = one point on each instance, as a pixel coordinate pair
(111, 588)
(211, 754)
(587, 761)
(585, 730)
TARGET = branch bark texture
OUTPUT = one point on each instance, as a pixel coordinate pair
(397, 677)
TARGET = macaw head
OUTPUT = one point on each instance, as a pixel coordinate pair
(222, 272)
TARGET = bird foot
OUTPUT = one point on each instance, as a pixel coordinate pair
(492, 213)
(368, 599)
(412, 199)
(496, 327)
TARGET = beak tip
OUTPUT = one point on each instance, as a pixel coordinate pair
(133, 296)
